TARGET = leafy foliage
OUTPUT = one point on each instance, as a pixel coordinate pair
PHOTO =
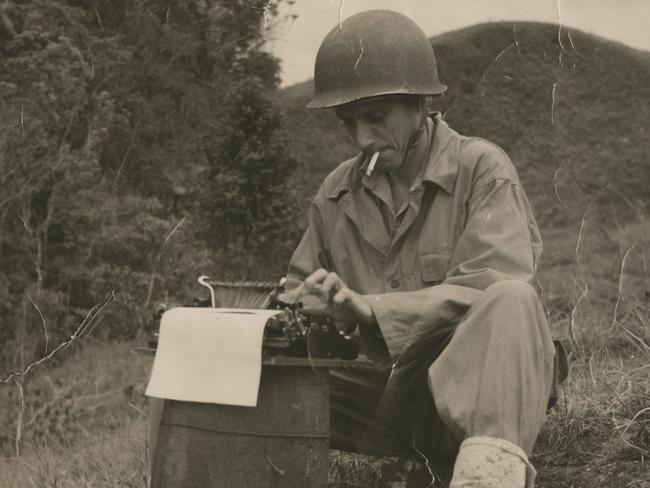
(246, 205)
(138, 149)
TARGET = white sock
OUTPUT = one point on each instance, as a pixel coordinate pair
(487, 462)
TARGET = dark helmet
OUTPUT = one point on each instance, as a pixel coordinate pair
(372, 53)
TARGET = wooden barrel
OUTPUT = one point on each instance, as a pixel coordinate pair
(283, 442)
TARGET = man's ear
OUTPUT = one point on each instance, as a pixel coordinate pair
(426, 103)
(424, 107)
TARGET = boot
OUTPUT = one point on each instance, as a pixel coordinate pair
(487, 462)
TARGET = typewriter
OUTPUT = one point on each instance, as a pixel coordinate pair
(292, 332)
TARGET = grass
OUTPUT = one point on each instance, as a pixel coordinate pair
(596, 436)
(574, 125)
(111, 459)
(598, 433)
(84, 421)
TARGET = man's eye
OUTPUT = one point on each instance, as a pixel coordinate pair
(376, 117)
(347, 122)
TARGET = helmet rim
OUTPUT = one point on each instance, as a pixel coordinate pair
(374, 53)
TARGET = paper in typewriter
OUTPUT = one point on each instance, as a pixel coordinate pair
(209, 355)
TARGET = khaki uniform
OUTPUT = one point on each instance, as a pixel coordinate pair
(448, 276)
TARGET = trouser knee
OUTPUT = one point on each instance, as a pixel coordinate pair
(511, 307)
(511, 292)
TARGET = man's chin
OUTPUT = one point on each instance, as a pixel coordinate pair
(386, 166)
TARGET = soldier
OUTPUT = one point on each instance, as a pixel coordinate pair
(426, 240)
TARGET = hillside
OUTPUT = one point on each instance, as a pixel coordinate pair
(570, 108)
(571, 111)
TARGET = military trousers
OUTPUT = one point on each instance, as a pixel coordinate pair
(487, 373)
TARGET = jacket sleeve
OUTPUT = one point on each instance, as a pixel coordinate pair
(304, 260)
(497, 243)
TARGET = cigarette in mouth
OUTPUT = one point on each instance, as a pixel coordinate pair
(371, 164)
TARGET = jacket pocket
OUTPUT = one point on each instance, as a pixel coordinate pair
(434, 265)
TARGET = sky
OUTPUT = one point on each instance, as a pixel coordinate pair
(296, 42)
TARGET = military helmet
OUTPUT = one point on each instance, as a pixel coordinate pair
(373, 53)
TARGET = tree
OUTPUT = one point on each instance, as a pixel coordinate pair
(247, 206)
(110, 113)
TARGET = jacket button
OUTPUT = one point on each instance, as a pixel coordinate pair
(394, 283)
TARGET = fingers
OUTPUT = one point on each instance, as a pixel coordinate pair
(340, 301)
(314, 304)
(342, 297)
(314, 279)
(324, 284)
(356, 304)
(292, 296)
(330, 285)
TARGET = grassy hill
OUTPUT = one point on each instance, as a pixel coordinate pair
(572, 110)
(569, 108)
(573, 117)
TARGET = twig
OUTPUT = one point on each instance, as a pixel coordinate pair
(87, 324)
(620, 284)
(274, 467)
(19, 421)
(126, 153)
(43, 320)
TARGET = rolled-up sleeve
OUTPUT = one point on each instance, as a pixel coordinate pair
(304, 260)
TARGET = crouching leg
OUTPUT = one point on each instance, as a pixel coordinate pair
(491, 385)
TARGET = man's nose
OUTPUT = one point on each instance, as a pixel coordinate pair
(363, 136)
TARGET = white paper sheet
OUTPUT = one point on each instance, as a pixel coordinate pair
(209, 355)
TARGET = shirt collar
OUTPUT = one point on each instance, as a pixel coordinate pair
(441, 167)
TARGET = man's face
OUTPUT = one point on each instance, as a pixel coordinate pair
(383, 125)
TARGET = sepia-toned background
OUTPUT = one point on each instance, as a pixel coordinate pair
(144, 143)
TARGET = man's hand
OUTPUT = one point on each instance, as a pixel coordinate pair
(341, 303)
